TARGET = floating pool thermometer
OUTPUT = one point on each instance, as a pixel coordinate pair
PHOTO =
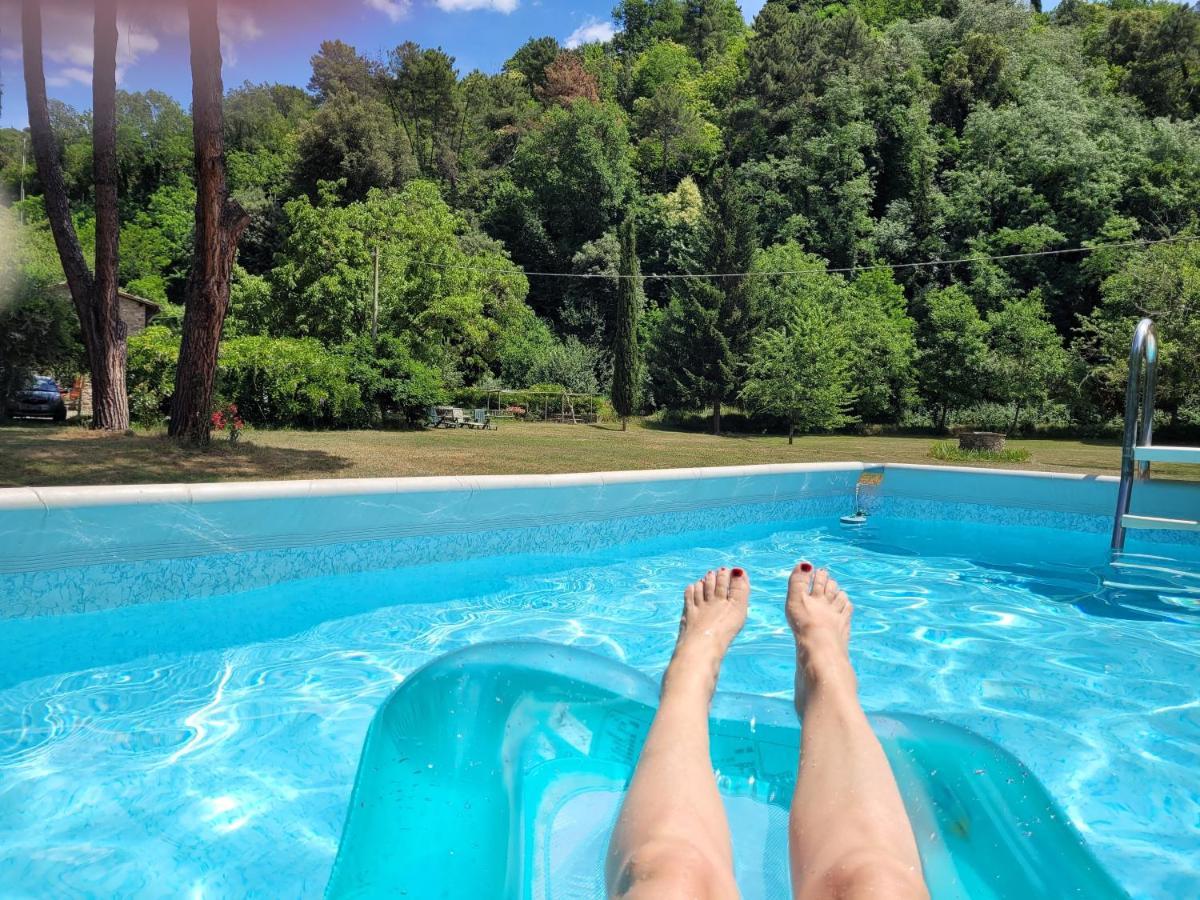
(859, 517)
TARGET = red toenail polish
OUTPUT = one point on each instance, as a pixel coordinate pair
(737, 573)
(805, 567)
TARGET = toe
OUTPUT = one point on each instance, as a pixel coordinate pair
(723, 583)
(689, 598)
(831, 590)
(841, 601)
(698, 592)
(820, 579)
(801, 577)
(710, 587)
(739, 585)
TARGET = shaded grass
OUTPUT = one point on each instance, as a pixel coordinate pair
(45, 454)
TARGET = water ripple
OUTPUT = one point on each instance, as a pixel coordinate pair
(225, 772)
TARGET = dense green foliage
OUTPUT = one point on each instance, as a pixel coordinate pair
(823, 149)
(626, 355)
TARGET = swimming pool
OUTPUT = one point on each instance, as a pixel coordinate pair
(182, 714)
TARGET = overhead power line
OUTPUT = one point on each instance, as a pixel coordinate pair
(815, 270)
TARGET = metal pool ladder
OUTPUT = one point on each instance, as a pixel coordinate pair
(1137, 445)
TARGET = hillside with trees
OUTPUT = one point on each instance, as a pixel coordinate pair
(807, 166)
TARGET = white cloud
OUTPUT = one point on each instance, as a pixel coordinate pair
(393, 9)
(591, 31)
(132, 44)
(500, 6)
(71, 74)
(237, 26)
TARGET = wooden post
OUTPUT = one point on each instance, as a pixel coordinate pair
(375, 301)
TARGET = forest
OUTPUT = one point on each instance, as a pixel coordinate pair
(922, 213)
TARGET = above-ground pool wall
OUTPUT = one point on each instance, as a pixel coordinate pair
(66, 550)
(1055, 500)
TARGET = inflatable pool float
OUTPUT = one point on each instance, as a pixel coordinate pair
(497, 771)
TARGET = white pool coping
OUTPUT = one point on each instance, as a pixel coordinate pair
(220, 492)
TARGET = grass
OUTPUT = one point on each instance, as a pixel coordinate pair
(949, 451)
(45, 454)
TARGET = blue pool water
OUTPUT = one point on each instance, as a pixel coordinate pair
(207, 747)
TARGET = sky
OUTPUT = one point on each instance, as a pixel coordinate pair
(273, 40)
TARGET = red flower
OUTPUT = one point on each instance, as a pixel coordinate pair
(218, 420)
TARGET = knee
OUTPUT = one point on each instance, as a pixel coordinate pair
(669, 869)
(871, 875)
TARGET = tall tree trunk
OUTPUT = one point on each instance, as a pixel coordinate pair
(110, 398)
(1016, 418)
(220, 221)
(99, 320)
(716, 415)
(791, 431)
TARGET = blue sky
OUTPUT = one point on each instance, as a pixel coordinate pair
(276, 46)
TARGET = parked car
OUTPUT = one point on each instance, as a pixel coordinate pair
(39, 397)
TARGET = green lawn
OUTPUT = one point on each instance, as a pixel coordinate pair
(37, 454)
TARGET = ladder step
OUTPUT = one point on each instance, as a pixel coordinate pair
(1186, 455)
(1131, 521)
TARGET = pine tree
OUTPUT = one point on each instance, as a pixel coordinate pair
(626, 354)
(731, 253)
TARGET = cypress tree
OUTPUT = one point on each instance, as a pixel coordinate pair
(626, 355)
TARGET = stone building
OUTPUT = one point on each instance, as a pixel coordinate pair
(136, 312)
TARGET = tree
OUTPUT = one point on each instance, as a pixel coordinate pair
(870, 312)
(219, 223)
(352, 138)
(882, 347)
(338, 68)
(1162, 282)
(690, 358)
(532, 59)
(449, 289)
(421, 88)
(626, 357)
(731, 254)
(642, 22)
(801, 372)
(576, 172)
(677, 140)
(1026, 356)
(566, 80)
(95, 298)
(953, 352)
(709, 26)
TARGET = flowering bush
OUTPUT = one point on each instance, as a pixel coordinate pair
(227, 419)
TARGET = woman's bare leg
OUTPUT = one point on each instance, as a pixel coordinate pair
(849, 834)
(672, 838)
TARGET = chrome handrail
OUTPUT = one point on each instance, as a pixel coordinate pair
(1137, 433)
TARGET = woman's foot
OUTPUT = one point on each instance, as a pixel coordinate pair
(819, 612)
(714, 611)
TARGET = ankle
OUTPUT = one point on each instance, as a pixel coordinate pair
(695, 663)
(824, 664)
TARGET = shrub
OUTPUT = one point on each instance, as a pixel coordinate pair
(288, 381)
(151, 374)
(390, 381)
(949, 451)
(273, 381)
